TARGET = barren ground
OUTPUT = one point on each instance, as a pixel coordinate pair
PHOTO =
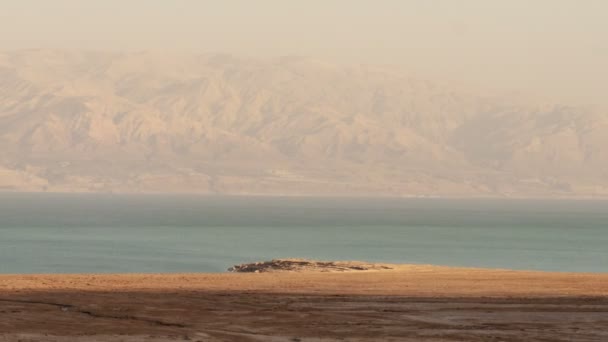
(406, 303)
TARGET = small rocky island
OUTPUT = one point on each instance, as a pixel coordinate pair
(304, 265)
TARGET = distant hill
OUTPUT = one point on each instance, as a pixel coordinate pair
(148, 122)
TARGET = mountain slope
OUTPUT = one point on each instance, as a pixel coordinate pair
(149, 122)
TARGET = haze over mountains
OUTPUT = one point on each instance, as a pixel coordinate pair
(151, 122)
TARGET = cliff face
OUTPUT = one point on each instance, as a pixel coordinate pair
(145, 122)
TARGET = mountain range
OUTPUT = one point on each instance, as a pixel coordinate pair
(153, 122)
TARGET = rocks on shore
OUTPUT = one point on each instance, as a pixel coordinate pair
(303, 265)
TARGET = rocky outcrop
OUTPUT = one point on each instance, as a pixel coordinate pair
(303, 265)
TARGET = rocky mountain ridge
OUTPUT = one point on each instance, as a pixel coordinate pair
(153, 122)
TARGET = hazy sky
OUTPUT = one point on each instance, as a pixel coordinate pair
(552, 48)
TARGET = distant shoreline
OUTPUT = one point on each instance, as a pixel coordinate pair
(321, 195)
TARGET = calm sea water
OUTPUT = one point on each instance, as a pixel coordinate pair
(42, 233)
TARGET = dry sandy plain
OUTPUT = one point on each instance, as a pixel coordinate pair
(407, 303)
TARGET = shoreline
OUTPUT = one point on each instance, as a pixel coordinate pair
(371, 196)
(399, 280)
(227, 271)
(125, 274)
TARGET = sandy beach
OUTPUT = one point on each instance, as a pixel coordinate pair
(404, 303)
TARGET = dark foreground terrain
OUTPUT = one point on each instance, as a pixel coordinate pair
(406, 303)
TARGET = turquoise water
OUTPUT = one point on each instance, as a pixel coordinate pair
(43, 233)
